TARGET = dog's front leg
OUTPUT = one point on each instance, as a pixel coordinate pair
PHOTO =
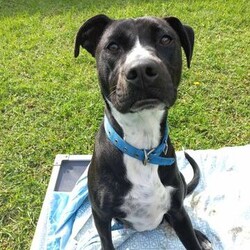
(190, 238)
(103, 226)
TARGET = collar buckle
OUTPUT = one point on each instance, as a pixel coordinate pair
(146, 156)
(166, 147)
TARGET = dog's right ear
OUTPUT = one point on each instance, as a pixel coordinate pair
(90, 33)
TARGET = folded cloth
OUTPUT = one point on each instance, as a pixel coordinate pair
(219, 207)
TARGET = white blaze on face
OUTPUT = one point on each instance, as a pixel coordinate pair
(139, 53)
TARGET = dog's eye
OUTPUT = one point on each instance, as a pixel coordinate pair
(165, 40)
(113, 47)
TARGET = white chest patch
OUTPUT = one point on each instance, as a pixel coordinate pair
(149, 199)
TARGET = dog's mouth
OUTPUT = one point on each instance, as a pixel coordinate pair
(146, 104)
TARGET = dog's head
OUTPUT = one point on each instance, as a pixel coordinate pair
(138, 60)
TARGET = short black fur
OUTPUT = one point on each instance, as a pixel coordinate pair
(107, 178)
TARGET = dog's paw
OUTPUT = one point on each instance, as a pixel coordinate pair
(204, 241)
(206, 245)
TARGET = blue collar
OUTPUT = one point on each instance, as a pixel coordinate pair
(145, 155)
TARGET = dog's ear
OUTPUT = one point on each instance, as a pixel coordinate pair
(90, 33)
(186, 35)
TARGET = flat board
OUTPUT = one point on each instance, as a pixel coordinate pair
(66, 171)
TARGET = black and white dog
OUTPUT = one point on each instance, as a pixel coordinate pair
(133, 176)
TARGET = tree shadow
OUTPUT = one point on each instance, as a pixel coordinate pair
(50, 7)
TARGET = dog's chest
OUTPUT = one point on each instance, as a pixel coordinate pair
(148, 200)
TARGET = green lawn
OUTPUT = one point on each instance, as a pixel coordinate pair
(50, 103)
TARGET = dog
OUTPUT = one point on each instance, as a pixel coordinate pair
(133, 176)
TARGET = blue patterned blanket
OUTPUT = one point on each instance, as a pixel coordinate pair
(219, 207)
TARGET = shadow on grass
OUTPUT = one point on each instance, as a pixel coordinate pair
(51, 7)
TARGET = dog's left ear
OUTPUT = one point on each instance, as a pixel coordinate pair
(90, 33)
(186, 35)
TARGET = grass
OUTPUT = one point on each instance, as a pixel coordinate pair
(50, 103)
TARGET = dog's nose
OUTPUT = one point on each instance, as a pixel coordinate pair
(142, 73)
